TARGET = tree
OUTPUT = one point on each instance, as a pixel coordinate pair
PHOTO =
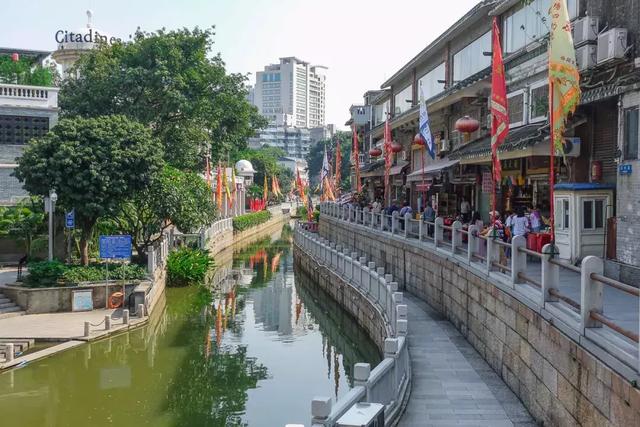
(316, 154)
(181, 199)
(23, 222)
(94, 165)
(166, 81)
(264, 160)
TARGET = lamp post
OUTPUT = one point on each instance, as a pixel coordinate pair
(51, 206)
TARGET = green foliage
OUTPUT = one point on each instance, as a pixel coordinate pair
(98, 272)
(25, 72)
(168, 81)
(45, 274)
(264, 160)
(182, 199)
(302, 212)
(243, 222)
(316, 216)
(316, 154)
(23, 222)
(94, 165)
(188, 266)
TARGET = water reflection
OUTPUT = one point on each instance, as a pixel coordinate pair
(253, 351)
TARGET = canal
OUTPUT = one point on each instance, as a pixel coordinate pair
(252, 349)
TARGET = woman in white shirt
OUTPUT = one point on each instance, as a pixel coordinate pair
(520, 224)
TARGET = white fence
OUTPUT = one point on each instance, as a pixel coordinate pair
(218, 227)
(388, 382)
(533, 278)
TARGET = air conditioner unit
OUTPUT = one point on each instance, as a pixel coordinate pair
(612, 44)
(571, 146)
(586, 30)
(586, 57)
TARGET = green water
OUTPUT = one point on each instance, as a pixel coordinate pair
(253, 352)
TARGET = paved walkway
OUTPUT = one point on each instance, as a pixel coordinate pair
(8, 275)
(451, 384)
(60, 326)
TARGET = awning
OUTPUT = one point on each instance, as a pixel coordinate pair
(431, 169)
(372, 169)
(395, 170)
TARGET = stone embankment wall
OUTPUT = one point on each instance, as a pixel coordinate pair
(559, 381)
(349, 297)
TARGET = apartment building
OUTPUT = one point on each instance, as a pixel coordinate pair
(292, 87)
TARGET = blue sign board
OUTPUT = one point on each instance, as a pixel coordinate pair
(115, 247)
(70, 219)
(625, 169)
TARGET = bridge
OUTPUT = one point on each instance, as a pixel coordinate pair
(563, 339)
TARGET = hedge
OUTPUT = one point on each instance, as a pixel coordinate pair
(45, 274)
(188, 266)
(243, 222)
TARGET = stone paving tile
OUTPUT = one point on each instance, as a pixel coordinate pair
(452, 385)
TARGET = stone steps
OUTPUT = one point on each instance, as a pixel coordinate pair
(8, 308)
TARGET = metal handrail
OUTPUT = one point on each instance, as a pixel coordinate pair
(565, 298)
(530, 252)
(529, 280)
(616, 284)
(501, 266)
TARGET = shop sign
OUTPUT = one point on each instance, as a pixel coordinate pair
(487, 182)
(625, 169)
(423, 187)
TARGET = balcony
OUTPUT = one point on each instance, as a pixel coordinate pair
(22, 96)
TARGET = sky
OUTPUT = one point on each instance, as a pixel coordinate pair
(362, 42)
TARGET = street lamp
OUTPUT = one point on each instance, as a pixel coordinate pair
(51, 206)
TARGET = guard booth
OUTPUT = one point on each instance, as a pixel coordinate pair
(581, 213)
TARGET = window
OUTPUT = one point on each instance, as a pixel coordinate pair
(432, 83)
(403, 100)
(593, 214)
(538, 102)
(471, 58)
(563, 215)
(631, 133)
(515, 101)
(528, 23)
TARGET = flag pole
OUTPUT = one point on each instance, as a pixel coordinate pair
(552, 172)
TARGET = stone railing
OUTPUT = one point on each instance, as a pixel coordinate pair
(527, 275)
(388, 382)
(28, 96)
(218, 227)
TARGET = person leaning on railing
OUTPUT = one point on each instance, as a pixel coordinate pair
(429, 216)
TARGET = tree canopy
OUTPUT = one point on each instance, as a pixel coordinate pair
(93, 164)
(316, 154)
(168, 81)
(182, 199)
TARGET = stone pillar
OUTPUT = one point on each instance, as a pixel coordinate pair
(438, 233)
(590, 292)
(394, 221)
(320, 410)
(472, 242)
(407, 224)
(550, 274)
(420, 229)
(456, 236)
(518, 259)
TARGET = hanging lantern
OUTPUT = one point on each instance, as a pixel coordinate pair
(418, 140)
(15, 57)
(396, 147)
(375, 152)
(467, 125)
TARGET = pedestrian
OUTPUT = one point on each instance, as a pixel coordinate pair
(465, 210)
(429, 216)
(406, 209)
(520, 224)
(536, 219)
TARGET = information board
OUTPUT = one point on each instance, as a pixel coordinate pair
(82, 300)
(115, 247)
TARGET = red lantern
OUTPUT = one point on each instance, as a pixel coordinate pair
(396, 147)
(15, 57)
(467, 124)
(596, 170)
(375, 152)
(418, 140)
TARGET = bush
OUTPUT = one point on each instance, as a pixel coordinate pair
(47, 274)
(188, 266)
(316, 216)
(44, 274)
(301, 212)
(98, 272)
(243, 222)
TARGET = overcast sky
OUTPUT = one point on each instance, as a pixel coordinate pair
(363, 42)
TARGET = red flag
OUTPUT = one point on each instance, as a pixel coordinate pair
(356, 158)
(499, 107)
(219, 188)
(387, 160)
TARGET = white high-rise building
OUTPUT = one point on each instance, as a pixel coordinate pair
(292, 92)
